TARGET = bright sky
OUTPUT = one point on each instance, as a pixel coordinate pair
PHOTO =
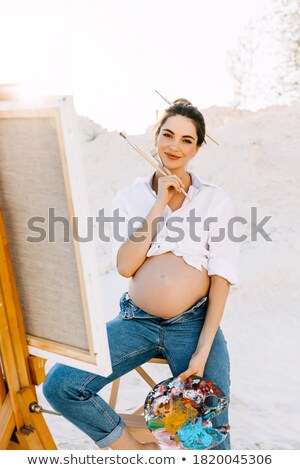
(112, 54)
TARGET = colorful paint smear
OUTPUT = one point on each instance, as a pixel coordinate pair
(179, 413)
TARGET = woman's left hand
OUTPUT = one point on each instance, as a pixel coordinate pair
(196, 367)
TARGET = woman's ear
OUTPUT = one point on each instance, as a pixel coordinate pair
(197, 150)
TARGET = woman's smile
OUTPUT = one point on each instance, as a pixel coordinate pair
(171, 156)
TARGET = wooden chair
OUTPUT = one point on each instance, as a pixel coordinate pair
(135, 421)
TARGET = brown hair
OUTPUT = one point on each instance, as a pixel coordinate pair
(184, 108)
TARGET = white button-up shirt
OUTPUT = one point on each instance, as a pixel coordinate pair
(200, 243)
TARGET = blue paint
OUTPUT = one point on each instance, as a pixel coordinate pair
(194, 436)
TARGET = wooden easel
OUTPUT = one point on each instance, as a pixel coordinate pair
(20, 429)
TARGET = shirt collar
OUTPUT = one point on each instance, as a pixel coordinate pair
(197, 183)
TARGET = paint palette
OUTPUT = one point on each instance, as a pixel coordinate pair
(179, 413)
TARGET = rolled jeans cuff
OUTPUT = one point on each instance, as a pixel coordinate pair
(113, 436)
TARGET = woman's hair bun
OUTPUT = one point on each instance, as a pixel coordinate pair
(182, 100)
(184, 107)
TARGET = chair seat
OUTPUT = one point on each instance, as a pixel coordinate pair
(158, 360)
(138, 427)
(134, 421)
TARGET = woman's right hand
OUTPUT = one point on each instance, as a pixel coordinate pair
(167, 187)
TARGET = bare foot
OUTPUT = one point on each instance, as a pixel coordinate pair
(128, 442)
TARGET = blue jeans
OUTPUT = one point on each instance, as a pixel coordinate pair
(135, 337)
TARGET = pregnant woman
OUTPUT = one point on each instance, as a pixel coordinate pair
(181, 262)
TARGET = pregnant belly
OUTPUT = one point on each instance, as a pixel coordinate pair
(165, 285)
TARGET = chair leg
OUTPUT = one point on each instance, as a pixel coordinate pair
(145, 376)
(114, 393)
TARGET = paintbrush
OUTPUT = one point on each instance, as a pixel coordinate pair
(169, 102)
(164, 171)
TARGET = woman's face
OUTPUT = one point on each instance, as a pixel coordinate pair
(177, 138)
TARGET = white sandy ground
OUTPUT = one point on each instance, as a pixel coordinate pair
(258, 165)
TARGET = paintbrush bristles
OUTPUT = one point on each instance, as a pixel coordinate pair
(122, 134)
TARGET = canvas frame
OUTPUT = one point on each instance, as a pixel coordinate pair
(96, 358)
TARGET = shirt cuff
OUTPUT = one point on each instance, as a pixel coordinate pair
(220, 267)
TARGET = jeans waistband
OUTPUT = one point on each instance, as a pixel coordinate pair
(131, 310)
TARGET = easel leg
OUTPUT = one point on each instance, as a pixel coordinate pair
(16, 385)
(36, 420)
(7, 423)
